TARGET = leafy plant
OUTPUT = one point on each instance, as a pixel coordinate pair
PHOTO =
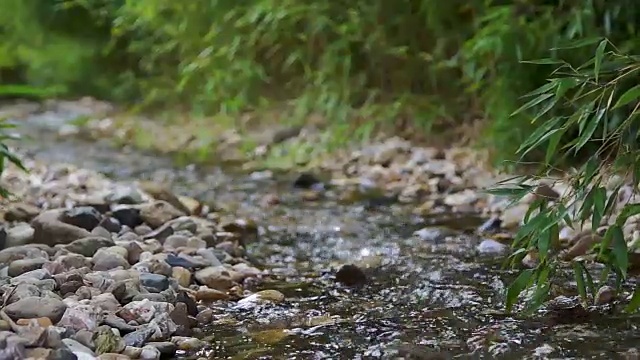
(6, 155)
(594, 104)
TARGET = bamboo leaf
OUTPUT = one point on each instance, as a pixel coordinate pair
(630, 95)
(516, 288)
(598, 58)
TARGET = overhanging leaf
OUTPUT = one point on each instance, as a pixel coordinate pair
(598, 58)
(516, 288)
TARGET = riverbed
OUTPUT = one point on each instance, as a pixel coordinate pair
(424, 297)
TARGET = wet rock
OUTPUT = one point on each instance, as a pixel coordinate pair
(246, 229)
(186, 299)
(88, 246)
(49, 230)
(158, 213)
(465, 197)
(490, 246)
(180, 317)
(605, 295)
(492, 225)
(204, 317)
(261, 297)
(21, 212)
(18, 235)
(434, 234)
(85, 217)
(188, 343)
(351, 275)
(206, 294)
(165, 348)
(36, 307)
(306, 181)
(582, 243)
(269, 200)
(150, 353)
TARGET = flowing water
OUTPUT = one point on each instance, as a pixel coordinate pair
(424, 299)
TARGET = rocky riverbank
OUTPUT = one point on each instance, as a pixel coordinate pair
(113, 270)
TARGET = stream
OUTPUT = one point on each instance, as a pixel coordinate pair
(434, 298)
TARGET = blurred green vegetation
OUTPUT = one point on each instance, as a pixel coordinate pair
(428, 65)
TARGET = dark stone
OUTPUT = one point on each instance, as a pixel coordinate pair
(175, 260)
(62, 353)
(166, 348)
(128, 216)
(85, 217)
(154, 282)
(70, 287)
(192, 307)
(111, 224)
(3, 237)
(160, 234)
(490, 226)
(351, 275)
(180, 317)
(306, 181)
(378, 201)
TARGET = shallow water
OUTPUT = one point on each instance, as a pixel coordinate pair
(423, 300)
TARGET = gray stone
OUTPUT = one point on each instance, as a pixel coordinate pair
(154, 282)
(22, 266)
(21, 234)
(36, 307)
(49, 230)
(89, 245)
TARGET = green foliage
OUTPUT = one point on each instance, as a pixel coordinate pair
(423, 62)
(6, 155)
(599, 100)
